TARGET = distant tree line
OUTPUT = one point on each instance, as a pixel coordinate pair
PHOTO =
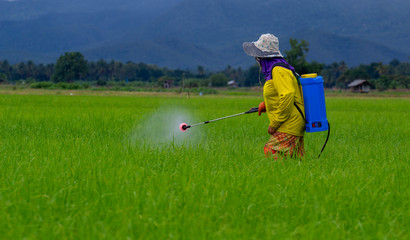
(395, 75)
(72, 67)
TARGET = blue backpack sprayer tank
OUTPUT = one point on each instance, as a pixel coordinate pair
(315, 106)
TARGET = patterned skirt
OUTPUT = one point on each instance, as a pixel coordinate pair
(284, 145)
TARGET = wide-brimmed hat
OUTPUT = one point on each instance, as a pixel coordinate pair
(266, 47)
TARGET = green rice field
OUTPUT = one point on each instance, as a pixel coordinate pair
(117, 167)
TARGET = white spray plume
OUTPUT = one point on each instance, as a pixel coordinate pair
(161, 129)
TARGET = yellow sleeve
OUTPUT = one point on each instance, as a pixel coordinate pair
(286, 94)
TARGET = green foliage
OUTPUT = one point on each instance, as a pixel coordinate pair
(71, 86)
(333, 72)
(314, 67)
(400, 81)
(42, 85)
(218, 80)
(252, 76)
(3, 78)
(69, 67)
(382, 83)
(101, 82)
(296, 57)
(236, 74)
(352, 74)
(402, 69)
(60, 85)
(200, 71)
(86, 85)
(392, 76)
(195, 82)
(29, 80)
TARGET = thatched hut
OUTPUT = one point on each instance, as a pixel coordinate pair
(359, 85)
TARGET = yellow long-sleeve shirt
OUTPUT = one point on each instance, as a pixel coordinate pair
(279, 94)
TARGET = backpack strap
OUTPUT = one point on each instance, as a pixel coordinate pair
(300, 111)
(287, 66)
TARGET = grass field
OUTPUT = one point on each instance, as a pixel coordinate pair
(117, 167)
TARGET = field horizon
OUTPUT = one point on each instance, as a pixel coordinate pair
(226, 92)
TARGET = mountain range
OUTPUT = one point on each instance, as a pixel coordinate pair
(188, 33)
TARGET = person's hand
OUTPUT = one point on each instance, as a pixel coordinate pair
(261, 108)
(271, 130)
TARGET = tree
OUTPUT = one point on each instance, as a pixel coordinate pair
(5, 69)
(69, 67)
(143, 72)
(201, 71)
(102, 70)
(382, 83)
(130, 71)
(352, 74)
(394, 63)
(381, 69)
(218, 80)
(296, 56)
(332, 72)
(30, 69)
(3, 78)
(20, 70)
(251, 76)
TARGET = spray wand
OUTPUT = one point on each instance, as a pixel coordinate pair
(183, 126)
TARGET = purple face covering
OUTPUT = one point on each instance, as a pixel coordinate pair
(267, 65)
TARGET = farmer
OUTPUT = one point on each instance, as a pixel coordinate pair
(283, 100)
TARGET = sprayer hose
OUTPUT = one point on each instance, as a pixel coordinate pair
(328, 134)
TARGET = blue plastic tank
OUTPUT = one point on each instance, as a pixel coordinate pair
(315, 106)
